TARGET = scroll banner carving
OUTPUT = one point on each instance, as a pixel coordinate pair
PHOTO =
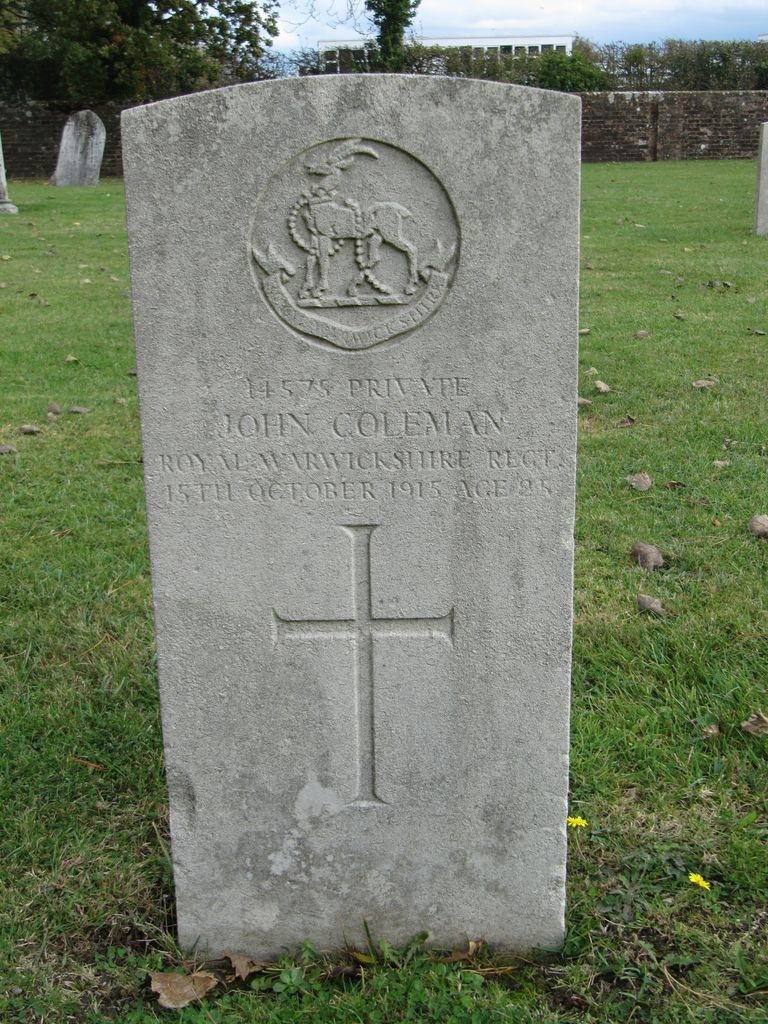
(350, 337)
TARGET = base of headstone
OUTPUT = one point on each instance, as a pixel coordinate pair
(8, 208)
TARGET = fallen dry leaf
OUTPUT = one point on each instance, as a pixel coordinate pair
(30, 428)
(89, 764)
(71, 359)
(81, 410)
(602, 387)
(758, 525)
(178, 990)
(458, 956)
(700, 385)
(652, 605)
(7, 449)
(242, 964)
(757, 331)
(647, 556)
(54, 408)
(674, 485)
(592, 371)
(627, 421)
(756, 725)
(584, 330)
(720, 463)
(642, 334)
(640, 481)
(51, 417)
(344, 971)
(584, 401)
(132, 372)
(679, 315)
(710, 731)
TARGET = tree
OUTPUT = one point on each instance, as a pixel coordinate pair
(93, 51)
(391, 18)
(568, 72)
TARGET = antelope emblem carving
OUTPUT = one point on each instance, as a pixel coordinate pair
(321, 222)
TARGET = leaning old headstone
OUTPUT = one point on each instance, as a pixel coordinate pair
(81, 150)
(6, 206)
(355, 305)
(761, 192)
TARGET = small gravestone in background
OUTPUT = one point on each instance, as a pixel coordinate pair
(355, 303)
(81, 150)
(6, 206)
(761, 194)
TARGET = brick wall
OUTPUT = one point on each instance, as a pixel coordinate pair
(672, 125)
(616, 126)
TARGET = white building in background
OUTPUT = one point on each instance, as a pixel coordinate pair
(504, 46)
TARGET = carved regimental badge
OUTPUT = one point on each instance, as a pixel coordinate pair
(354, 242)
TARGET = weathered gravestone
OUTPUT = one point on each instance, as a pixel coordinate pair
(81, 150)
(6, 206)
(355, 303)
(761, 193)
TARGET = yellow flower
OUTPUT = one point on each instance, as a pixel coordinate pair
(577, 822)
(696, 879)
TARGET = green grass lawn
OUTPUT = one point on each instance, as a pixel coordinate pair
(662, 771)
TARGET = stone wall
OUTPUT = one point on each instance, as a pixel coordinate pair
(616, 126)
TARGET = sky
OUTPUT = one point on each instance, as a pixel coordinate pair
(602, 21)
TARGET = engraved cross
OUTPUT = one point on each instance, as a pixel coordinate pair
(361, 630)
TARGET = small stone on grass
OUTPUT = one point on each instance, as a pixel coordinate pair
(647, 556)
(640, 481)
(651, 605)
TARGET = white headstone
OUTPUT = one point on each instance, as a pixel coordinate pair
(355, 303)
(81, 150)
(761, 192)
(6, 206)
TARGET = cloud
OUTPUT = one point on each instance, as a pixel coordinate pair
(601, 20)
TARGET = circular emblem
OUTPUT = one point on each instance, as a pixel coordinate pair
(354, 242)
